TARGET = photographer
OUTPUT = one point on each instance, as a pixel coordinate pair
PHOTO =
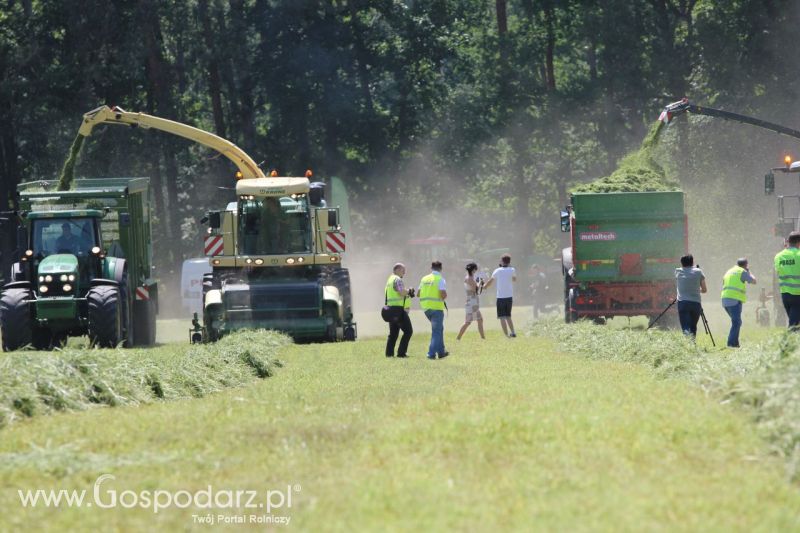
(690, 282)
(734, 284)
(398, 299)
(473, 285)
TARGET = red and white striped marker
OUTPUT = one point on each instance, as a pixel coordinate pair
(213, 245)
(335, 242)
(142, 293)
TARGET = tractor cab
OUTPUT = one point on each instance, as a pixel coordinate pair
(64, 248)
(67, 232)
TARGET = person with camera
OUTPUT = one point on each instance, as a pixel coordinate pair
(473, 286)
(398, 302)
(432, 295)
(505, 275)
(690, 282)
(734, 283)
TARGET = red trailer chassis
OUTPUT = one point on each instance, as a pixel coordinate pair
(599, 299)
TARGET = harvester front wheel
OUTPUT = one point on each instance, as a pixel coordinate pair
(15, 319)
(105, 316)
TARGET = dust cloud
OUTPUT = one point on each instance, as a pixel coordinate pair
(719, 165)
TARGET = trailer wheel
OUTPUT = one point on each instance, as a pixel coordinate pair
(128, 325)
(105, 318)
(569, 304)
(15, 319)
(144, 327)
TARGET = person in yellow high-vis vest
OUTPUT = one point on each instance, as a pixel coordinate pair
(734, 284)
(787, 268)
(399, 298)
(432, 294)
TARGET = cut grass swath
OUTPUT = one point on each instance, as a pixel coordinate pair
(37, 383)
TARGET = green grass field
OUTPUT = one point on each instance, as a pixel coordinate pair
(504, 434)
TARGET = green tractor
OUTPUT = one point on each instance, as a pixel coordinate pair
(85, 268)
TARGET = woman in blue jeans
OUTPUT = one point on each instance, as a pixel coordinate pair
(691, 282)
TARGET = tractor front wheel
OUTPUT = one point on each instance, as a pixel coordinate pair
(105, 316)
(15, 319)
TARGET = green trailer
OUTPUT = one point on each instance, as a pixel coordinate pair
(623, 253)
(85, 266)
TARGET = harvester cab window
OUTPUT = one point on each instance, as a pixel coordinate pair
(275, 226)
(74, 236)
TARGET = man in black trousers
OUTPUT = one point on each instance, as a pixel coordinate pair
(398, 298)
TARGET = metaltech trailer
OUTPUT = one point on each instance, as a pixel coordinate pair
(623, 254)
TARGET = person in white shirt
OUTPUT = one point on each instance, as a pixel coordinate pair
(505, 276)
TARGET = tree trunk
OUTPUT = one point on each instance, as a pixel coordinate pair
(9, 178)
(214, 81)
(240, 15)
(160, 83)
(551, 45)
(502, 17)
(373, 141)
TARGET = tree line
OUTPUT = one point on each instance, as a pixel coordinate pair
(489, 108)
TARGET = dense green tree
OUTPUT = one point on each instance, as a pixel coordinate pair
(498, 106)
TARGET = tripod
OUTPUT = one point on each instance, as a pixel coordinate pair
(702, 317)
(653, 323)
(705, 325)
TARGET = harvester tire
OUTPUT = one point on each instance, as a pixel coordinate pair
(105, 316)
(15, 319)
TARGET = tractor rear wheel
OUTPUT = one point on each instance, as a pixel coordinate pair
(15, 319)
(144, 326)
(105, 316)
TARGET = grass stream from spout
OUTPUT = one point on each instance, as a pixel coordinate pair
(636, 172)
